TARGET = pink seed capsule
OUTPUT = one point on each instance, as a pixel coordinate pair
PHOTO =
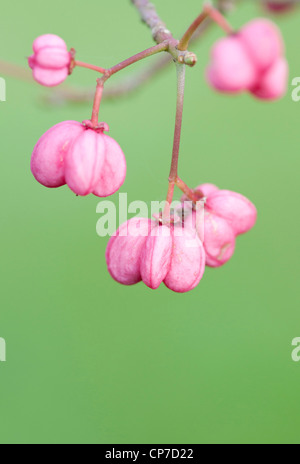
(187, 262)
(49, 154)
(238, 211)
(251, 60)
(263, 41)
(218, 238)
(50, 61)
(123, 254)
(84, 162)
(273, 84)
(85, 159)
(156, 256)
(113, 174)
(231, 69)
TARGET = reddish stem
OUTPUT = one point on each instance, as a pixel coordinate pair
(191, 195)
(219, 19)
(97, 102)
(140, 56)
(178, 123)
(89, 66)
(208, 12)
(177, 136)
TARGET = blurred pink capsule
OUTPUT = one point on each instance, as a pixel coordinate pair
(251, 60)
(231, 68)
(263, 42)
(123, 254)
(49, 154)
(273, 84)
(51, 60)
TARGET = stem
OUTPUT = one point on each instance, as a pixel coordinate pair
(150, 17)
(178, 124)
(16, 71)
(90, 66)
(177, 137)
(184, 42)
(219, 19)
(126, 85)
(191, 195)
(97, 102)
(110, 72)
(162, 47)
(208, 12)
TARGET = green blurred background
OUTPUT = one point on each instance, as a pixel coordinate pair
(89, 361)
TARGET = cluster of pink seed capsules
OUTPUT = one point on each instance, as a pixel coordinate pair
(90, 162)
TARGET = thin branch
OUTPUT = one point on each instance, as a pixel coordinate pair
(68, 93)
(149, 16)
(16, 71)
(181, 73)
(126, 85)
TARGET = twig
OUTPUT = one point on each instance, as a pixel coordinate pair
(149, 16)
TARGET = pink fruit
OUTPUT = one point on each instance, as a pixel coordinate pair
(85, 159)
(251, 60)
(231, 69)
(51, 60)
(227, 215)
(84, 162)
(187, 262)
(263, 42)
(219, 238)
(49, 154)
(113, 174)
(238, 211)
(169, 254)
(123, 254)
(156, 256)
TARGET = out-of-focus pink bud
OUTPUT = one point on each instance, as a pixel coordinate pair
(49, 154)
(123, 254)
(51, 60)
